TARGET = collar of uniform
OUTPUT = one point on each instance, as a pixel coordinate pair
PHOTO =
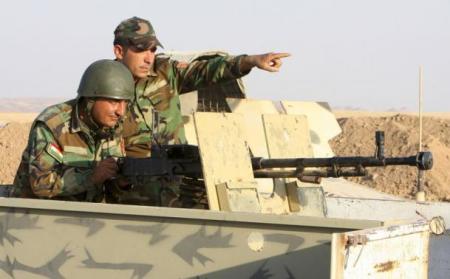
(75, 125)
(152, 72)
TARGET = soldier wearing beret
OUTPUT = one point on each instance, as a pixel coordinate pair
(154, 114)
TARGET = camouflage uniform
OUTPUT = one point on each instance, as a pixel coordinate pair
(154, 116)
(60, 156)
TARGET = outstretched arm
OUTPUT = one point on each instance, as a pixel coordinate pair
(270, 62)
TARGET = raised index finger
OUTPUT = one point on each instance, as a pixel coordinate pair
(281, 55)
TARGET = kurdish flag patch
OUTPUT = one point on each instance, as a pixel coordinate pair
(55, 151)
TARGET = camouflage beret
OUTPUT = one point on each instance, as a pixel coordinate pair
(136, 32)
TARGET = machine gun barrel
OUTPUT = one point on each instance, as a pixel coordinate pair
(172, 160)
(423, 161)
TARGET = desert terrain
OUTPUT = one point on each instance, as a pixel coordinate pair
(401, 139)
(357, 138)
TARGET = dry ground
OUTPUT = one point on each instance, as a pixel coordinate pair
(401, 139)
(357, 138)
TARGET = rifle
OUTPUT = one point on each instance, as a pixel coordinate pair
(184, 160)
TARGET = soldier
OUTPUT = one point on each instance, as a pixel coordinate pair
(154, 115)
(72, 146)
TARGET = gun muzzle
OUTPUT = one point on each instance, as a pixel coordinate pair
(424, 160)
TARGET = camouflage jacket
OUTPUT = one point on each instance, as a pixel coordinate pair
(59, 158)
(155, 112)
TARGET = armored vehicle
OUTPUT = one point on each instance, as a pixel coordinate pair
(255, 226)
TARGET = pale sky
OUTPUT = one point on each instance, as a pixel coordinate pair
(350, 53)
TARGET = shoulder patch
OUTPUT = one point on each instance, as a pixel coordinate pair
(55, 151)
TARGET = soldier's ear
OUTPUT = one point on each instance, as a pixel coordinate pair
(119, 52)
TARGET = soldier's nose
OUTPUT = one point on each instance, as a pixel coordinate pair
(148, 56)
(121, 108)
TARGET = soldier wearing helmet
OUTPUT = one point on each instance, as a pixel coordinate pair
(160, 80)
(72, 145)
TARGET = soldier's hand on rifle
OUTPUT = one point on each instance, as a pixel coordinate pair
(105, 169)
(270, 62)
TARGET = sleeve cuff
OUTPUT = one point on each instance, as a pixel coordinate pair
(237, 66)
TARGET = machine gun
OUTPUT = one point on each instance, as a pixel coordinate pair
(169, 162)
(184, 160)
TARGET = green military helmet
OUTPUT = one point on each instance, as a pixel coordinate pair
(107, 79)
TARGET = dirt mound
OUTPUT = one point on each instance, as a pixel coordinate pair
(401, 139)
(13, 139)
